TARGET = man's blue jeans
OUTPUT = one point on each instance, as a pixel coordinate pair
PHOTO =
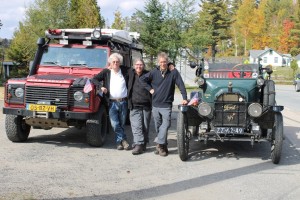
(117, 115)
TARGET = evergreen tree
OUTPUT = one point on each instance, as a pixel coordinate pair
(151, 29)
(119, 22)
(213, 23)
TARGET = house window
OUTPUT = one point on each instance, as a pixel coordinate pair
(265, 59)
(275, 59)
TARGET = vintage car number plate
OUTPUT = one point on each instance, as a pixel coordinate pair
(229, 130)
(41, 108)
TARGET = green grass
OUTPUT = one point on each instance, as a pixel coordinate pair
(283, 75)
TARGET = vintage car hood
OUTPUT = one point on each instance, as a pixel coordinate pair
(216, 87)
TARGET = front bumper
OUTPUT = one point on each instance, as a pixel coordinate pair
(51, 115)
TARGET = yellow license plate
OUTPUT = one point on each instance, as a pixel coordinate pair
(41, 108)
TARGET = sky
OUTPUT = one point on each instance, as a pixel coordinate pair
(12, 11)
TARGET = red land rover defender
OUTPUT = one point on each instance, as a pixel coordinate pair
(52, 94)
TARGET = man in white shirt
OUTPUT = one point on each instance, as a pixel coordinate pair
(114, 88)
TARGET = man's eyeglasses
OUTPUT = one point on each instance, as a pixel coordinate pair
(115, 61)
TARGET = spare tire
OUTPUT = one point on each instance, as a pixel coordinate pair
(269, 94)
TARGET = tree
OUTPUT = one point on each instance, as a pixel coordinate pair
(294, 66)
(213, 23)
(45, 14)
(85, 14)
(151, 28)
(119, 22)
(0, 24)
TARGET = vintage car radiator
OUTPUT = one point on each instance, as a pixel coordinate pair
(230, 110)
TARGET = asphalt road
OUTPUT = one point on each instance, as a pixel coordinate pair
(58, 164)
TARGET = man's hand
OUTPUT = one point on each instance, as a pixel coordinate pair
(151, 91)
(184, 102)
(104, 90)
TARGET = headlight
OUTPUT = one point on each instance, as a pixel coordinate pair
(97, 33)
(204, 109)
(200, 81)
(19, 92)
(78, 96)
(254, 110)
(260, 81)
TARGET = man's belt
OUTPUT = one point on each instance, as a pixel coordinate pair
(118, 100)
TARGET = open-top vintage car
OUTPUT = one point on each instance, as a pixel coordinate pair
(234, 103)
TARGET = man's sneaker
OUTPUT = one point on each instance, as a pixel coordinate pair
(138, 149)
(125, 145)
(120, 147)
(161, 149)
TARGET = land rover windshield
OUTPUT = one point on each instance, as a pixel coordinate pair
(75, 56)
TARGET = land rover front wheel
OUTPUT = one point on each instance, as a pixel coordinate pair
(182, 137)
(277, 138)
(16, 128)
(97, 128)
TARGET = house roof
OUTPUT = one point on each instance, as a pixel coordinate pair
(257, 53)
(297, 57)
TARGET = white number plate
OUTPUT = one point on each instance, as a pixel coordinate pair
(229, 130)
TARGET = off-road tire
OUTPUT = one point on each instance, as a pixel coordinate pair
(97, 128)
(182, 139)
(16, 128)
(269, 94)
(277, 138)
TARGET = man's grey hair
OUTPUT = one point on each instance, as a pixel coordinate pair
(116, 56)
(139, 60)
(162, 55)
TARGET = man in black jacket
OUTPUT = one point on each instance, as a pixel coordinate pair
(139, 104)
(160, 82)
(114, 88)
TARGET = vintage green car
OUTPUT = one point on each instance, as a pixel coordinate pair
(235, 102)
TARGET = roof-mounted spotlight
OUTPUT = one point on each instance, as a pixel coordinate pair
(97, 33)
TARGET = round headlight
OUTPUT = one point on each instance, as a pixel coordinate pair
(254, 110)
(204, 109)
(19, 92)
(200, 81)
(260, 81)
(97, 34)
(78, 96)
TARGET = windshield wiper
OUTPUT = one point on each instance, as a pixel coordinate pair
(78, 64)
(52, 62)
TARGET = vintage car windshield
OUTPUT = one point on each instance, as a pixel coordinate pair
(230, 70)
(66, 56)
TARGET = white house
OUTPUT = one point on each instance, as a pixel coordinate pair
(269, 57)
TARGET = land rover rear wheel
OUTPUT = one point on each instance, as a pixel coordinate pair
(182, 137)
(277, 138)
(97, 128)
(16, 128)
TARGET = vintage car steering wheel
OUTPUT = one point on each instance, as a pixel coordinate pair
(241, 71)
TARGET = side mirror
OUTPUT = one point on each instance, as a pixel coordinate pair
(193, 65)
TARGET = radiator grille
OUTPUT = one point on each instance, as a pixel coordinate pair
(35, 94)
(229, 111)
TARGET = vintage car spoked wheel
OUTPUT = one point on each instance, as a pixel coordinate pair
(269, 94)
(277, 138)
(183, 136)
(237, 71)
(97, 128)
(16, 128)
